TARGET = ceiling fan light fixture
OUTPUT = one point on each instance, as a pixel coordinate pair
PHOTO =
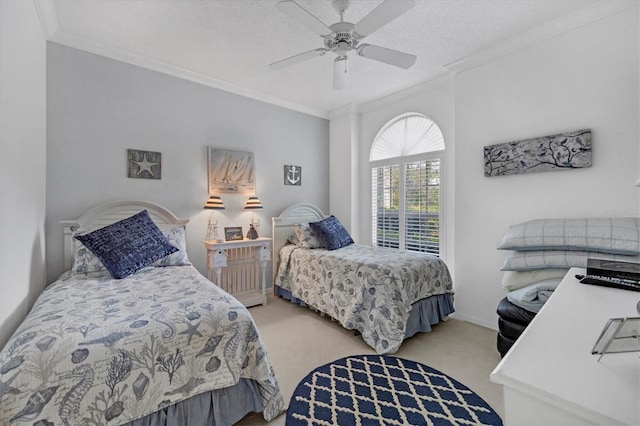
(340, 72)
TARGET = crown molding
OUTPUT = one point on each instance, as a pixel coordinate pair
(71, 40)
(349, 109)
(556, 27)
(48, 18)
(441, 80)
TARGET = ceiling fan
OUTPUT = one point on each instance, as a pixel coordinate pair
(344, 37)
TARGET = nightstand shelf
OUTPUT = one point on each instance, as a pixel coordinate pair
(239, 268)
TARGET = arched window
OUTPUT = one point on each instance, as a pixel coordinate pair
(406, 164)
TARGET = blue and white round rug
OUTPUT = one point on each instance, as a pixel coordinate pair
(374, 389)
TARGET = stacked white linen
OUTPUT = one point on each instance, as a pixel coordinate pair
(543, 250)
(533, 296)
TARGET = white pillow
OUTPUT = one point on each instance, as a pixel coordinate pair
(176, 237)
(514, 280)
(619, 235)
(306, 236)
(544, 259)
(86, 264)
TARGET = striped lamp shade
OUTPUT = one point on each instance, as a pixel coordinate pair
(214, 203)
(253, 203)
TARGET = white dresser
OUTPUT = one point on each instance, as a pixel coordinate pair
(549, 375)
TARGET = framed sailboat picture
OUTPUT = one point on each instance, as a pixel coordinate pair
(231, 171)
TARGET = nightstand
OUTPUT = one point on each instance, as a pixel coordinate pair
(239, 268)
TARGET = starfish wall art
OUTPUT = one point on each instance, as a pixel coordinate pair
(144, 164)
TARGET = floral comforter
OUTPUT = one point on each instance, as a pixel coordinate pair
(102, 351)
(369, 289)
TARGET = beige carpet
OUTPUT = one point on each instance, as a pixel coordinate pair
(299, 340)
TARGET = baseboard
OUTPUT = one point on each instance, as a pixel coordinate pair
(476, 321)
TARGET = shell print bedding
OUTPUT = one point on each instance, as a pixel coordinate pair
(369, 289)
(104, 351)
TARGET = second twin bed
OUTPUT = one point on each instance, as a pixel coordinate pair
(385, 295)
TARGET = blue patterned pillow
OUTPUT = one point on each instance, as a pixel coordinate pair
(129, 245)
(331, 233)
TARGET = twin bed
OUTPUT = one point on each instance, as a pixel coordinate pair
(163, 346)
(385, 295)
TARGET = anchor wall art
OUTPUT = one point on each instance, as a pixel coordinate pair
(562, 151)
(231, 171)
(293, 175)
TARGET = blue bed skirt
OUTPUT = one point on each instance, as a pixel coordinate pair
(424, 313)
(217, 407)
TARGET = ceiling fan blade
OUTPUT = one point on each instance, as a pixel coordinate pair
(340, 73)
(296, 59)
(298, 13)
(388, 56)
(386, 12)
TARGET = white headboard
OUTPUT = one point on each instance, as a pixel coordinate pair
(282, 227)
(108, 213)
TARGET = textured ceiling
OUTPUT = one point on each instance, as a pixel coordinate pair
(233, 41)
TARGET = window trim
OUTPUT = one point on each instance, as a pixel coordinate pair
(401, 162)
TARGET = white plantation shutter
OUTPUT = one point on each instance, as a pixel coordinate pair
(386, 221)
(405, 178)
(411, 134)
(422, 206)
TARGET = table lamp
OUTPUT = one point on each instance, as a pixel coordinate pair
(213, 203)
(253, 203)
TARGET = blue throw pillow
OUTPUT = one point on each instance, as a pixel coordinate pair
(331, 233)
(129, 245)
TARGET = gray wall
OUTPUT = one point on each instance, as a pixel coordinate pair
(98, 108)
(22, 162)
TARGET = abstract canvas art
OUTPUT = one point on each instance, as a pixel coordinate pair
(144, 164)
(231, 171)
(562, 151)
